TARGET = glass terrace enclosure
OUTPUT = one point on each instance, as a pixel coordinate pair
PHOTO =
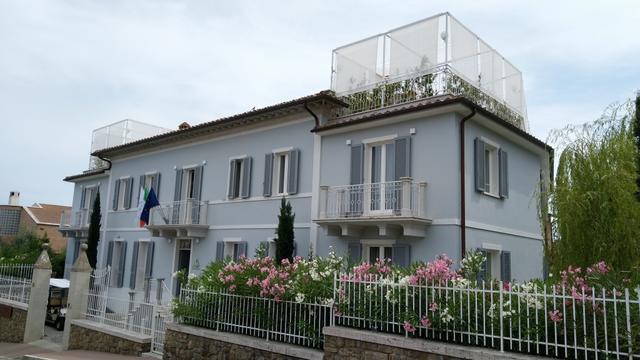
(432, 57)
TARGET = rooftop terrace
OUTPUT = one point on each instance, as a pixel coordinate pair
(431, 57)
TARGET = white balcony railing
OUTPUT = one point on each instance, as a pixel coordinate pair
(403, 198)
(78, 219)
(184, 212)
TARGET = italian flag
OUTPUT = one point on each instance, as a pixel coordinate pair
(146, 202)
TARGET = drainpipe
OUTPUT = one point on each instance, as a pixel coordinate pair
(106, 160)
(315, 117)
(463, 220)
(105, 215)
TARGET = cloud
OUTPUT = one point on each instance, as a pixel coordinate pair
(68, 67)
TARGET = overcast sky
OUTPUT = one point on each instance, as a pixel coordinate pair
(68, 67)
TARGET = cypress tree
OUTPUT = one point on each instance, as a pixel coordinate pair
(285, 236)
(94, 233)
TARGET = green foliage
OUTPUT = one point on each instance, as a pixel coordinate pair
(261, 251)
(597, 216)
(284, 232)
(26, 248)
(94, 233)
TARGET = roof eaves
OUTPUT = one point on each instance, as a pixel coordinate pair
(222, 123)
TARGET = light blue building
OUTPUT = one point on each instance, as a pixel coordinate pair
(419, 149)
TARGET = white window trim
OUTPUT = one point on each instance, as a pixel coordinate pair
(122, 193)
(494, 170)
(149, 173)
(190, 167)
(116, 241)
(380, 139)
(379, 243)
(230, 246)
(275, 172)
(282, 150)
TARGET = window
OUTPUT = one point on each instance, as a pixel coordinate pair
(491, 169)
(187, 184)
(239, 178)
(379, 252)
(231, 248)
(496, 266)
(88, 197)
(122, 193)
(281, 172)
(149, 181)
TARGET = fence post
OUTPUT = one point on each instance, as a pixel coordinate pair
(159, 290)
(78, 288)
(37, 311)
(501, 319)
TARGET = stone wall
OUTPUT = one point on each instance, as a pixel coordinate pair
(13, 318)
(186, 342)
(88, 336)
(350, 344)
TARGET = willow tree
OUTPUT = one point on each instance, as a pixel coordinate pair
(597, 215)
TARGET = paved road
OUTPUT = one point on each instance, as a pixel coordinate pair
(52, 335)
(43, 349)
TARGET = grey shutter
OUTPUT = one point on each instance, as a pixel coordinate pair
(134, 265)
(116, 192)
(401, 254)
(355, 252)
(148, 270)
(242, 250)
(110, 254)
(295, 249)
(197, 182)
(245, 190)
(503, 160)
(505, 266)
(390, 171)
(220, 251)
(402, 157)
(268, 174)
(121, 266)
(294, 169)
(140, 187)
(357, 164)
(479, 165)
(232, 179)
(177, 195)
(155, 184)
(128, 192)
(83, 196)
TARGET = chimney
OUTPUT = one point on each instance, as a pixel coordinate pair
(14, 198)
(184, 126)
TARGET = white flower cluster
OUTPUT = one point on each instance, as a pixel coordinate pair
(299, 298)
(507, 311)
(530, 298)
(327, 302)
(390, 298)
(445, 317)
(460, 283)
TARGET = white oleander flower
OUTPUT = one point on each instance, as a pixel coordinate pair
(299, 298)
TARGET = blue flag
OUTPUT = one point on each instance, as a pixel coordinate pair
(150, 202)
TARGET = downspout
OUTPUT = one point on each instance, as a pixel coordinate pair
(463, 220)
(103, 241)
(315, 117)
(106, 160)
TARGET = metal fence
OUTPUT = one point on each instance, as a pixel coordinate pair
(183, 212)
(141, 318)
(290, 322)
(550, 321)
(15, 282)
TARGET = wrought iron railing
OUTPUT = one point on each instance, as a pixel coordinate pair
(393, 198)
(441, 80)
(184, 212)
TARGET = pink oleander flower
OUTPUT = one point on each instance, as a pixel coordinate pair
(425, 322)
(555, 316)
(433, 307)
(232, 288)
(408, 327)
(506, 286)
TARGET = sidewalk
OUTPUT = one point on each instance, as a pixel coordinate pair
(42, 349)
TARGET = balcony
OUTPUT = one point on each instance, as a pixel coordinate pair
(394, 208)
(75, 223)
(186, 218)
